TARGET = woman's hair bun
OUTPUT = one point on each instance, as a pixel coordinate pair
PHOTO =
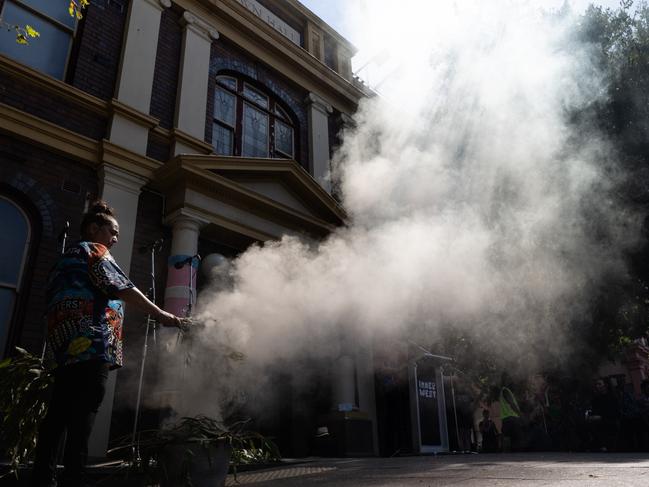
(100, 206)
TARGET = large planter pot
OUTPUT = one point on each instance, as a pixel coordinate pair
(204, 466)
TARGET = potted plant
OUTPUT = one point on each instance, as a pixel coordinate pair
(25, 387)
(199, 451)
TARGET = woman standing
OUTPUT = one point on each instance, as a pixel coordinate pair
(86, 292)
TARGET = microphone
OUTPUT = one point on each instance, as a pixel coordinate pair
(188, 260)
(154, 246)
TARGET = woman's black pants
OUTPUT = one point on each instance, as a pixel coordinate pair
(78, 391)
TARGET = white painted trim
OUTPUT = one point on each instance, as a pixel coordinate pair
(120, 179)
(315, 101)
(202, 28)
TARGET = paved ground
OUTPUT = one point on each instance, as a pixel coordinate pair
(506, 470)
(509, 470)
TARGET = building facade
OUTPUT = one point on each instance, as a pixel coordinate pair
(209, 124)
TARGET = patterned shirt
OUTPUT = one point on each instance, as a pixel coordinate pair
(84, 318)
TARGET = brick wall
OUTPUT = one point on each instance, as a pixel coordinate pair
(158, 148)
(28, 97)
(97, 48)
(39, 176)
(167, 65)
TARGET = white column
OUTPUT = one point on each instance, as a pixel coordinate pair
(319, 112)
(366, 388)
(135, 79)
(173, 369)
(193, 78)
(122, 191)
(184, 245)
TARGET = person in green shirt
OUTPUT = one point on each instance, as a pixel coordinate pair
(510, 414)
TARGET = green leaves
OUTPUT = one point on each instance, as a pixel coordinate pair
(25, 387)
(245, 446)
(27, 32)
(76, 7)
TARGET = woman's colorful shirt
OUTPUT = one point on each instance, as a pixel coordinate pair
(84, 318)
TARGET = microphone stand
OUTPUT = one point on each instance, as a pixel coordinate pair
(150, 324)
(63, 237)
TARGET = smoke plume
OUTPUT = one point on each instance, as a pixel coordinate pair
(473, 200)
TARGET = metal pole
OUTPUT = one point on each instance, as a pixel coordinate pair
(190, 303)
(64, 236)
(457, 429)
(150, 323)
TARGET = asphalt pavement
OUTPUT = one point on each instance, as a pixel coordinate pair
(465, 470)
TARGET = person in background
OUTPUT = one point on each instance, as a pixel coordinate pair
(630, 429)
(489, 433)
(603, 418)
(510, 414)
(86, 292)
(643, 411)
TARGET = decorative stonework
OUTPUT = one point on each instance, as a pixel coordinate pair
(200, 26)
(120, 179)
(41, 198)
(314, 101)
(161, 4)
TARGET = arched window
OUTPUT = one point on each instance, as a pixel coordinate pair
(14, 246)
(249, 123)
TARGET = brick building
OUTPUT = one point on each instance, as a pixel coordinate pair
(209, 124)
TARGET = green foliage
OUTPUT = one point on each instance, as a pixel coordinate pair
(245, 447)
(26, 32)
(620, 41)
(25, 386)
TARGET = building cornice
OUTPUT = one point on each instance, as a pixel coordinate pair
(287, 169)
(252, 34)
(199, 173)
(176, 135)
(73, 145)
(209, 32)
(126, 111)
(47, 134)
(127, 160)
(51, 85)
(321, 24)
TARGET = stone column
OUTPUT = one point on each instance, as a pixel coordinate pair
(122, 191)
(131, 122)
(319, 111)
(366, 389)
(193, 78)
(184, 245)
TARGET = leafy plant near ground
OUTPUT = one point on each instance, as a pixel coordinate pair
(245, 447)
(25, 388)
(26, 32)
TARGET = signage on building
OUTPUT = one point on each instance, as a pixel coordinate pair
(428, 403)
(273, 20)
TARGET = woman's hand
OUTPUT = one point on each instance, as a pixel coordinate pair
(133, 296)
(168, 319)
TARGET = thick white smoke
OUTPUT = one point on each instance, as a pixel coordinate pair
(472, 199)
